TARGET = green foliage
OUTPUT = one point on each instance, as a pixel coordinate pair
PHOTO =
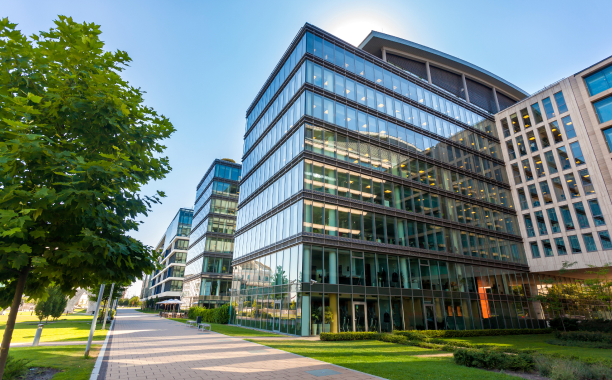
(219, 315)
(488, 359)
(470, 333)
(602, 325)
(53, 306)
(134, 302)
(77, 145)
(15, 368)
(584, 336)
(577, 343)
(570, 369)
(349, 336)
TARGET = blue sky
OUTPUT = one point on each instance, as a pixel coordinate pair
(202, 63)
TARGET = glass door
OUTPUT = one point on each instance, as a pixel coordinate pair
(430, 317)
(361, 317)
(277, 315)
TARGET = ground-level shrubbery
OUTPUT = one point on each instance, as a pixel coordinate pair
(567, 324)
(472, 333)
(219, 315)
(588, 339)
(489, 359)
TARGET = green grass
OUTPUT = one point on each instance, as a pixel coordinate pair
(73, 327)
(537, 342)
(232, 330)
(387, 360)
(69, 359)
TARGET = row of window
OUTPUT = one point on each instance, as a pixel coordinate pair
(362, 225)
(330, 180)
(215, 287)
(220, 171)
(535, 110)
(180, 226)
(603, 108)
(555, 130)
(574, 246)
(217, 188)
(210, 244)
(335, 113)
(217, 206)
(278, 80)
(540, 170)
(558, 188)
(343, 148)
(583, 220)
(178, 257)
(385, 104)
(380, 76)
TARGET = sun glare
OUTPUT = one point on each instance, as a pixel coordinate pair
(354, 30)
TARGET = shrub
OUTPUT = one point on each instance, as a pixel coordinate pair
(584, 336)
(489, 359)
(473, 333)
(576, 343)
(392, 338)
(600, 325)
(15, 368)
(411, 335)
(218, 315)
(348, 336)
(569, 369)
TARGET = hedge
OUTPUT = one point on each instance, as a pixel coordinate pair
(584, 336)
(349, 336)
(219, 315)
(470, 333)
(493, 360)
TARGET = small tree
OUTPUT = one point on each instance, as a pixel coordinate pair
(599, 287)
(58, 301)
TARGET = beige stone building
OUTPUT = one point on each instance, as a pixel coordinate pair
(557, 147)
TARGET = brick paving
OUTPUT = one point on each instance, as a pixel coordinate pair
(145, 347)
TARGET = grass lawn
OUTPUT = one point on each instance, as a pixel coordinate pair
(67, 358)
(67, 328)
(537, 342)
(232, 330)
(387, 360)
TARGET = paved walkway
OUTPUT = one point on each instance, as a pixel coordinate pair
(145, 347)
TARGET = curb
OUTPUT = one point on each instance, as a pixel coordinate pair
(96, 369)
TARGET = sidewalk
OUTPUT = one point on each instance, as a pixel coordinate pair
(146, 347)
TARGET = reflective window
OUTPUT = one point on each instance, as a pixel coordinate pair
(572, 185)
(556, 132)
(510, 150)
(515, 123)
(529, 225)
(541, 223)
(525, 117)
(546, 194)
(604, 109)
(554, 221)
(548, 108)
(548, 252)
(537, 114)
(550, 162)
(567, 218)
(589, 242)
(543, 137)
(517, 174)
(604, 238)
(533, 193)
(527, 170)
(596, 212)
(539, 166)
(560, 100)
(587, 184)
(599, 81)
(533, 145)
(505, 128)
(521, 145)
(570, 132)
(608, 136)
(535, 251)
(559, 193)
(577, 152)
(583, 221)
(560, 243)
(563, 158)
(523, 199)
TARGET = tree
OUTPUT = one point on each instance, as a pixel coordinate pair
(76, 146)
(134, 301)
(53, 305)
(117, 293)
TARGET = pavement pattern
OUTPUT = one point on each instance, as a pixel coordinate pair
(147, 347)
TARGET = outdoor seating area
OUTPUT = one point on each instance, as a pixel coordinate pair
(172, 309)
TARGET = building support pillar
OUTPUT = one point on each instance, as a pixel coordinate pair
(467, 95)
(496, 101)
(428, 72)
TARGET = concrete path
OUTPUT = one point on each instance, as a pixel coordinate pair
(146, 347)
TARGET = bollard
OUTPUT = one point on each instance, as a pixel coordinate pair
(37, 335)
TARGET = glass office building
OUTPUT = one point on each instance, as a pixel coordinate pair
(376, 199)
(167, 283)
(208, 274)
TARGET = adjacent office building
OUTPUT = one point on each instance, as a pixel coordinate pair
(208, 275)
(167, 283)
(557, 147)
(375, 197)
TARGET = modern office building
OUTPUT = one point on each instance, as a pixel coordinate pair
(167, 283)
(208, 275)
(557, 146)
(374, 195)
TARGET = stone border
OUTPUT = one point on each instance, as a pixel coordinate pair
(102, 361)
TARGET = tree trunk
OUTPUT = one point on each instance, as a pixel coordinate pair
(10, 323)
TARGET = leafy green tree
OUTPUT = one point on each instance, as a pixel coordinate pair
(134, 301)
(53, 305)
(76, 146)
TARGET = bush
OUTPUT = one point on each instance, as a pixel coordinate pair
(489, 359)
(219, 315)
(568, 369)
(584, 336)
(15, 368)
(412, 335)
(472, 333)
(600, 325)
(577, 343)
(348, 336)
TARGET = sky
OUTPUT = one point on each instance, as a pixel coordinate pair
(202, 63)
